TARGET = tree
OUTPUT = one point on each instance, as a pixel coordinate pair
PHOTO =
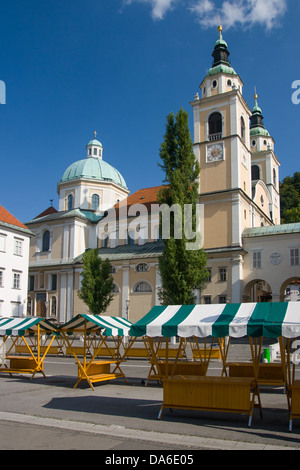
(182, 270)
(97, 282)
(290, 198)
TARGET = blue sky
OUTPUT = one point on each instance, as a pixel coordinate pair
(118, 67)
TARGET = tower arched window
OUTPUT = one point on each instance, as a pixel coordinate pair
(95, 202)
(215, 126)
(255, 172)
(243, 129)
(70, 202)
(46, 241)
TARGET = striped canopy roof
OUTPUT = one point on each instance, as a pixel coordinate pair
(20, 326)
(270, 320)
(112, 326)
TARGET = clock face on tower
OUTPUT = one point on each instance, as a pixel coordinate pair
(215, 152)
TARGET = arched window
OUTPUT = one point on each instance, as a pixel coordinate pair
(142, 286)
(243, 128)
(142, 267)
(215, 126)
(95, 202)
(53, 306)
(255, 172)
(70, 202)
(46, 241)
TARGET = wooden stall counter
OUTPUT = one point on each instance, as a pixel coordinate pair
(160, 369)
(268, 373)
(294, 399)
(160, 353)
(213, 353)
(23, 365)
(97, 371)
(224, 394)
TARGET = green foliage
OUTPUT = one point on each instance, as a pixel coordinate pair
(182, 270)
(97, 282)
(290, 199)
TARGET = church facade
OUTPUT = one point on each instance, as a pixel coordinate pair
(251, 257)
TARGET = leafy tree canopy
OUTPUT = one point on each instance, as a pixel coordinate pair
(290, 198)
(182, 270)
(97, 282)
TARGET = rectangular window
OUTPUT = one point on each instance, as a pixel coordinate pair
(15, 308)
(18, 246)
(294, 256)
(222, 274)
(31, 283)
(2, 242)
(53, 281)
(222, 299)
(257, 259)
(16, 281)
(208, 279)
(207, 299)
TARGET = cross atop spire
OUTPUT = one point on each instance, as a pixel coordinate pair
(220, 27)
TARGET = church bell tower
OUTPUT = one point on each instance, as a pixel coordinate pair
(223, 147)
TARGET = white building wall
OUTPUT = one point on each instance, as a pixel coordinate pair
(13, 301)
(276, 268)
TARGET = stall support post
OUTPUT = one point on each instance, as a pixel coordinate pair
(167, 356)
(153, 353)
(79, 364)
(255, 353)
(224, 348)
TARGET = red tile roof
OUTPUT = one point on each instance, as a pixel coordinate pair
(146, 196)
(50, 210)
(8, 218)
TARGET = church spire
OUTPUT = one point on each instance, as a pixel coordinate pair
(221, 52)
(256, 119)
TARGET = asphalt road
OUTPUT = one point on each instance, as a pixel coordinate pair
(50, 414)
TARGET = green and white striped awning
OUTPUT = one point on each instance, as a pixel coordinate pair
(20, 326)
(268, 319)
(111, 326)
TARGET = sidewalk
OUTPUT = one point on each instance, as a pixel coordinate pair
(133, 437)
(125, 415)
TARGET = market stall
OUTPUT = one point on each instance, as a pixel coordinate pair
(29, 331)
(96, 330)
(220, 321)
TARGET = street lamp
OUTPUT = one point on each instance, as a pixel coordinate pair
(127, 309)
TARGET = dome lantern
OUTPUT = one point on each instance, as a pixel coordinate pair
(94, 148)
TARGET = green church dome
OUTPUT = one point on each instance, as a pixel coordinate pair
(94, 168)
